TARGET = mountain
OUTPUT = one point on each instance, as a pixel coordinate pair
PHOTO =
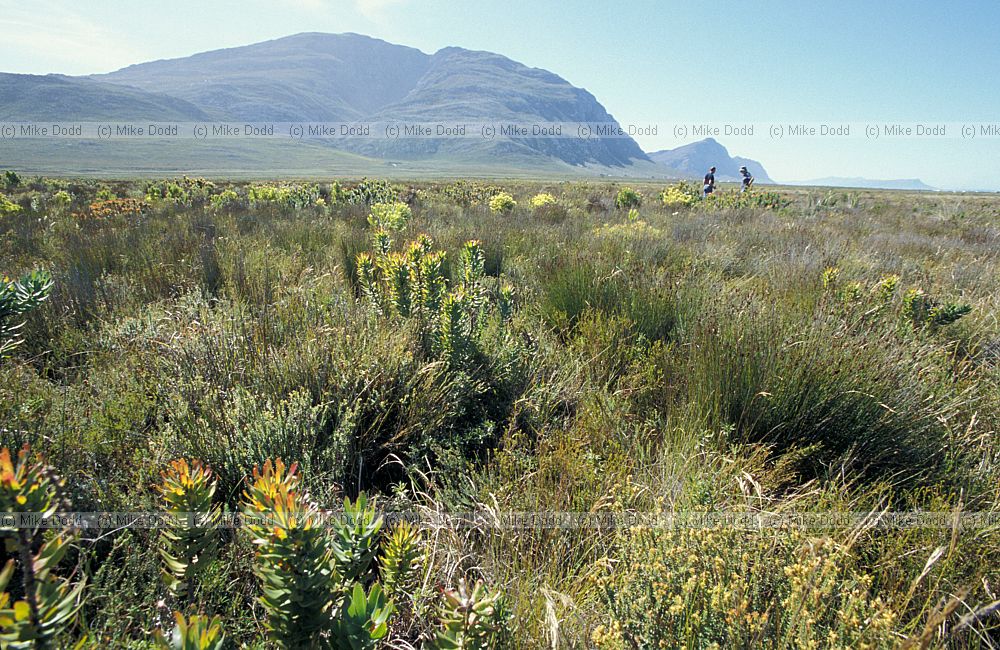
(868, 183)
(462, 84)
(306, 77)
(39, 98)
(695, 159)
(317, 77)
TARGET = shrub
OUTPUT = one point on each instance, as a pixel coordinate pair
(502, 203)
(225, 200)
(17, 298)
(111, 208)
(728, 588)
(392, 217)
(542, 200)
(62, 199)
(923, 310)
(471, 618)
(355, 540)
(184, 191)
(363, 620)
(194, 633)
(253, 428)
(402, 557)
(289, 197)
(8, 207)
(468, 194)
(295, 562)
(372, 191)
(11, 180)
(741, 200)
(311, 580)
(627, 198)
(50, 604)
(413, 285)
(680, 195)
(189, 540)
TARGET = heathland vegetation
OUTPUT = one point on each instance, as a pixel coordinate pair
(321, 358)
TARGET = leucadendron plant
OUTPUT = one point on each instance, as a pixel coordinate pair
(311, 575)
(411, 284)
(313, 571)
(190, 539)
(192, 633)
(48, 603)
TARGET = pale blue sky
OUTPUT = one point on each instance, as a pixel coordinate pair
(763, 61)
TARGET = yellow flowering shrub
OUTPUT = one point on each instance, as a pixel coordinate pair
(696, 587)
(7, 206)
(681, 195)
(542, 200)
(502, 203)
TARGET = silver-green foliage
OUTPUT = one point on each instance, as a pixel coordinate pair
(18, 297)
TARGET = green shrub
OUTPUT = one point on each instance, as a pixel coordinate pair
(289, 197)
(363, 619)
(412, 284)
(355, 540)
(471, 618)
(741, 200)
(225, 200)
(466, 194)
(194, 633)
(251, 429)
(11, 180)
(62, 199)
(372, 191)
(295, 561)
(402, 559)
(18, 297)
(923, 310)
(627, 198)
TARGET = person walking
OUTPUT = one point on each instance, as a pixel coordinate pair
(747, 180)
(709, 185)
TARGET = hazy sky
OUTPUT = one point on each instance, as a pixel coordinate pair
(761, 61)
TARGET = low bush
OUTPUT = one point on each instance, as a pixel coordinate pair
(627, 198)
(502, 203)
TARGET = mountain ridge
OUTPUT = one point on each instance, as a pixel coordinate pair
(314, 76)
(52, 96)
(868, 183)
(694, 159)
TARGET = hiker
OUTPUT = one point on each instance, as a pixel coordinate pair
(709, 183)
(747, 179)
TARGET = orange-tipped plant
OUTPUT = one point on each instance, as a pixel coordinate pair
(28, 486)
(295, 563)
(190, 540)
